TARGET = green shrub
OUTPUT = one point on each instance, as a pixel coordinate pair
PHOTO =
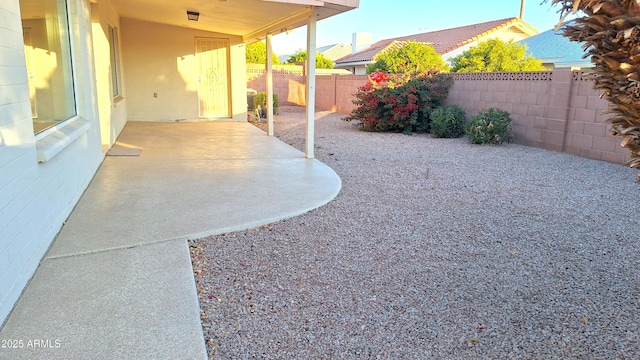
(492, 126)
(448, 121)
(261, 99)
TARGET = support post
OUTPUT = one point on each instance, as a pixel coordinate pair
(269, 69)
(310, 92)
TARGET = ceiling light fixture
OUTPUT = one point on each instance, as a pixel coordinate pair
(193, 15)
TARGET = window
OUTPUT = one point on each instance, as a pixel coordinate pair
(48, 55)
(115, 64)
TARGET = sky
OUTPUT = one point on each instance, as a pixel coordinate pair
(385, 19)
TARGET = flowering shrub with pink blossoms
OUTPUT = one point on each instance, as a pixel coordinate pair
(399, 102)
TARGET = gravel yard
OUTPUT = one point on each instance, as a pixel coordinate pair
(434, 249)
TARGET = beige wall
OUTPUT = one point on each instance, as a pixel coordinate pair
(113, 111)
(160, 59)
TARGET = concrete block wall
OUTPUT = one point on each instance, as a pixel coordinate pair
(587, 130)
(326, 92)
(288, 86)
(557, 110)
(337, 92)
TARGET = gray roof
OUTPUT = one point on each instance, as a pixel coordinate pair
(325, 48)
(551, 47)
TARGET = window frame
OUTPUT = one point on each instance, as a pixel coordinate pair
(53, 140)
(114, 61)
(74, 72)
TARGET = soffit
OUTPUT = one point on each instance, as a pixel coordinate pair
(250, 19)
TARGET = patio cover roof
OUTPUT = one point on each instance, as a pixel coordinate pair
(250, 19)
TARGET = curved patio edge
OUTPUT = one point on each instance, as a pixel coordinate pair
(211, 179)
(326, 187)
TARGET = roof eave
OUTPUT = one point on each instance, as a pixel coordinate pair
(299, 18)
(517, 22)
(580, 64)
(525, 27)
(354, 63)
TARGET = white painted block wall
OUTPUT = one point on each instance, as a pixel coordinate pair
(36, 198)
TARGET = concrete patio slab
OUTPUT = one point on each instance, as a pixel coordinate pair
(125, 304)
(117, 281)
(186, 199)
(204, 141)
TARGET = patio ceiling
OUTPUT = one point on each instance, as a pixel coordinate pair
(250, 19)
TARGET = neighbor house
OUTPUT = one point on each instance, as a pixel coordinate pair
(448, 42)
(73, 72)
(331, 52)
(556, 51)
(335, 51)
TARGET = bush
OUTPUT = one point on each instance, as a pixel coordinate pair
(496, 55)
(411, 57)
(322, 62)
(260, 99)
(399, 102)
(492, 126)
(448, 121)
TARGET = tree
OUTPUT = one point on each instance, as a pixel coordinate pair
(610, 34)
(257, 53)
(411, 57)
(496, 55)
(322, 62)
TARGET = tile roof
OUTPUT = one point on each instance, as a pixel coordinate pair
(444, 41)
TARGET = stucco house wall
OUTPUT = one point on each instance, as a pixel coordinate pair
(36, 194)
(161, 61)
(112, 110)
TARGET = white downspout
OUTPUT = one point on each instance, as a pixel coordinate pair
(311, 83)
(269, 86)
